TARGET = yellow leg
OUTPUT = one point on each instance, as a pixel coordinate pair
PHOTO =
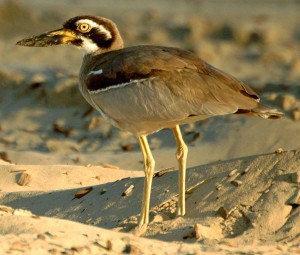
(181, 157)
(149, 170)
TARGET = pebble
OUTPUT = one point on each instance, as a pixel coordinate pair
(279, 151)
(232, 173)
(295, 199)
(224, 212)
(103, 191)
(21, 212)
(93, 123)
(107, 165)
(296, 114)
(6, 209)
(219, 186)
(127, 147)
(83, 192)
(295, 177)
(128, 191)
(4, 157)
(163, 172)
(37, 80)
(236, 183)
(286, 102)
(157, 218)
(24, 179)
(58, 128)
(200, 231)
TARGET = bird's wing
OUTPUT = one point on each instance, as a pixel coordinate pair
(164, 83)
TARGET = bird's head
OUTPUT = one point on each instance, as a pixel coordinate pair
(91, 33)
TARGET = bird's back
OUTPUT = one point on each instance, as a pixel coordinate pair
(145, 88)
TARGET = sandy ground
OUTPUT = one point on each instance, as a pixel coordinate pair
(64, 171)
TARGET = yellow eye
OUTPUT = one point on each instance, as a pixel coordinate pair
(84, 27)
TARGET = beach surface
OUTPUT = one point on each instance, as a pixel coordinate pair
(70, 183)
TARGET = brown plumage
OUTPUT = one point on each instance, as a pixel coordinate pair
(143, 89)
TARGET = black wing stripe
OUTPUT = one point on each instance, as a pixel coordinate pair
(102, 82)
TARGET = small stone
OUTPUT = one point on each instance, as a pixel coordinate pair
(224, 212)
(279, 151)
(232, 173)
(163, 172)
(41, 237)
(107, 165)
(296, 114)
(83, 192)
(295, 177)
(53, 251)
(286, 101)
(236, 183)
(94, 122)
(247, 169)
(127, 147)
(157, 218)
(4, 156)
(219, 186)
(37, 80)
(21, 212)
(132, 249)
(103, 191)
(6, 209)
(128, 191)
(295, 199)
(202, 232)
(60, 129)
(23, 179)
(172, 210)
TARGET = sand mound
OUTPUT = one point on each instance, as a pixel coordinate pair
(242, 201)
(248, 205)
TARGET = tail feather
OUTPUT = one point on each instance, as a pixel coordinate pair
(261, 111)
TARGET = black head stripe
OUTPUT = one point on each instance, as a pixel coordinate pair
(95, 34)
(100, 38)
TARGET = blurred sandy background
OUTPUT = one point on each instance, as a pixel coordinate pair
(45, 120)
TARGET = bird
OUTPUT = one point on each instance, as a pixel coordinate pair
(145, 88)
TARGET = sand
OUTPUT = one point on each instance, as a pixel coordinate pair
(71, 183)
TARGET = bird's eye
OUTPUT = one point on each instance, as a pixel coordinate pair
(84, 27)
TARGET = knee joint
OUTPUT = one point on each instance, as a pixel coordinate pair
(182, 151)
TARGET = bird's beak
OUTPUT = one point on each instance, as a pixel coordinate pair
(56, 37)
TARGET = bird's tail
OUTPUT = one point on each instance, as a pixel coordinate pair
(261, 111)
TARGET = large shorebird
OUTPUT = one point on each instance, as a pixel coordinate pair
(143, 89)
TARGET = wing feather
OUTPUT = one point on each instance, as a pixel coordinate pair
(174, 84)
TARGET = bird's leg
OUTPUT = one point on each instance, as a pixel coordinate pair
(181, 155)
(149, 170)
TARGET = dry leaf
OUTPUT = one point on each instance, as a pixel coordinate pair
(81, 193)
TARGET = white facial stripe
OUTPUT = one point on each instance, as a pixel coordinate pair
(95, 25)
(104, 31)
(96, 72)
(117, 86)
(88, 45)
(88, 21)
